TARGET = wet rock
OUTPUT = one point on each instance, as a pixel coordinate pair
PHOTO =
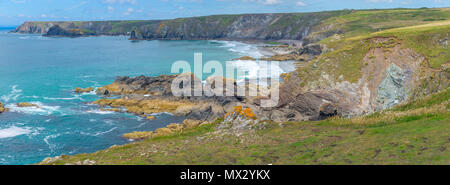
(25, 104)
(2, 108)
(245, 58)
(85, 90)
(150, 118)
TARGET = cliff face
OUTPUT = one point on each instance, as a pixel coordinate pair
(295, 26)
(91, 27)
(306, 27)
(289, 26)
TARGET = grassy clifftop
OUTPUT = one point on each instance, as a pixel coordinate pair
(310, 27)
(412, 133)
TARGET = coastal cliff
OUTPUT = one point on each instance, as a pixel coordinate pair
(288, 26)
(306, 27)
(374, 82)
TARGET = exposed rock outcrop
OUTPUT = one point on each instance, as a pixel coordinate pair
(245, 58)
(2, 108)
(85, 90)
(146, 95)
(392, 90)
(57, 31)
(26, 104)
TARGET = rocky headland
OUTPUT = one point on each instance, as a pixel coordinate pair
(376, 75)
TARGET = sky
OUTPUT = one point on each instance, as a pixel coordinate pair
(15, 12)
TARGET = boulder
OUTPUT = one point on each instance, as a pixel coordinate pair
(138, 135)
(25, 104)
(85, 90)
(245, 58)
(2, 108)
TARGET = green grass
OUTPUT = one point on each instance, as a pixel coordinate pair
(418, 138)
(346, 56)
(428, 101)
(369, 21)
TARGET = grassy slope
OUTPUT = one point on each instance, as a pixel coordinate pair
(413, 133)
(362, 22)
(347, 53)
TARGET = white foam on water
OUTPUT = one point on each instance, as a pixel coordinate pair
(160, 113)
(99, 133)
(42, 109)
(34, 37)
(76, 97)
(89, 93)
(96, 111)
(241, 48)
(13, 131)
(47, 138)
(109, 122)
(13, 95)
(256, 70)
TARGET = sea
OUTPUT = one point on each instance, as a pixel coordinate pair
(45, 71)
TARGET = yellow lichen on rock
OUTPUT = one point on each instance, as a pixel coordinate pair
(162, 132)
(240, 111)
(138, 135)
(150, 118)
(245, 58)
(175, 127)
(190, 123)
(85, 90)
(25, 104)
(2, 108)
(142, 107)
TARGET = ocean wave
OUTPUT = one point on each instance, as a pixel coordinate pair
(14, 131)
(13, 95)
(160, 113)
(47, 138)
(109, 122)
(42, 109)
(96, 111)
(257, 70)
(242, 48)
(76, 97)
(33, 37)
(99, 133)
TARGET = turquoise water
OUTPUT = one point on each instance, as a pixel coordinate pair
(45, 71)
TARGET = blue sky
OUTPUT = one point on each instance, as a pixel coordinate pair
(15, 12)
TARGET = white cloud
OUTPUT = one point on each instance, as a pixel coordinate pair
(266, 2)
(269, 2)
(120, 1)
(129, 11)
(44, 15)
(380, 1)
(300, 3)
(110, 8)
